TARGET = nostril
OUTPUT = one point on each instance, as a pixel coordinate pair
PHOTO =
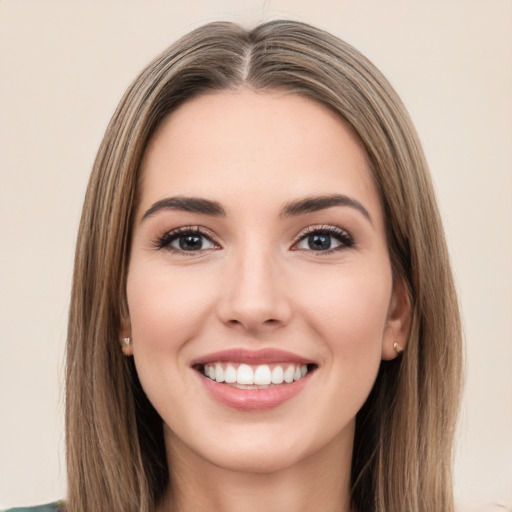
(269, 322)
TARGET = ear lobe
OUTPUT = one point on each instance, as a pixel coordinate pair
(125, 337)
(398, 325)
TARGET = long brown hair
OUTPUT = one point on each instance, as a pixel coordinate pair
(404, 432)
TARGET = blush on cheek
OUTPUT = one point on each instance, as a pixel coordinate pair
(348, 306)
(165, 305)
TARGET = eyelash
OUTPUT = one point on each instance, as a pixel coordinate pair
(343, 237)
(164, 241)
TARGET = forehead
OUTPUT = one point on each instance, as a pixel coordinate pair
(271, 145)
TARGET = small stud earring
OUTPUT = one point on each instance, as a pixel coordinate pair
(398, 348)
(127, 341)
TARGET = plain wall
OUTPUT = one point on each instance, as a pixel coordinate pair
(63, 68)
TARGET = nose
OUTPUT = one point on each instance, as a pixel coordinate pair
(254, 296)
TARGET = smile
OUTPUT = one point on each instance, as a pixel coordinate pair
(253, 380)
(263, 376)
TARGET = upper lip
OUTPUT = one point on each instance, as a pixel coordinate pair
(254, 357)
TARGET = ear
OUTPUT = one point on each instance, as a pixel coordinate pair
(398, 325)
(125, 333)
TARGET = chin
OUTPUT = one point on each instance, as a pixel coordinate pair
(263, 448)
(255, 460)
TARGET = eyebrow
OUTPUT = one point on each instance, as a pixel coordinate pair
(291, 209)
(317, 203)
(186, 204)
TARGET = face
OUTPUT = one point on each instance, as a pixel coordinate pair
(260, 292)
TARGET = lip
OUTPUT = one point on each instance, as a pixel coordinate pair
(261, 356)
(252, 399)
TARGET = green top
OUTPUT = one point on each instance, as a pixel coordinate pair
(50, 507)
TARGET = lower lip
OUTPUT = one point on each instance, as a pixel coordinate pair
(253, 399)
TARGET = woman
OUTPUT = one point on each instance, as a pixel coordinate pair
(263, 313)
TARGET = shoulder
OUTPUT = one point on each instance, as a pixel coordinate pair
(58, 506)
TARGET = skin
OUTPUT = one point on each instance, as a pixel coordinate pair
(258, 284)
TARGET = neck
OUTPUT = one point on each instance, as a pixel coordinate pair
(318, 482)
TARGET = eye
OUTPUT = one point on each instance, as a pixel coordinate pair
(186, 240)
(323, 239)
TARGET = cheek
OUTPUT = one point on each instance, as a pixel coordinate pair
(345, 312)
(165, 306)
(348, 310)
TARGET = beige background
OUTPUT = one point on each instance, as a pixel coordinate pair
(63, 68)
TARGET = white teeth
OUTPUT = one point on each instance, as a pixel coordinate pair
(277, 375)
(230, 374)
(245, 376)
(219, 373)
(262, 375)
(288, 374)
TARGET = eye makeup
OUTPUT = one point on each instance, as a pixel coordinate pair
(186, 239)
(324, 239)
(321, 239)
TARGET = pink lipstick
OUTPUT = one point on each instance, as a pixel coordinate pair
(254, 379)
